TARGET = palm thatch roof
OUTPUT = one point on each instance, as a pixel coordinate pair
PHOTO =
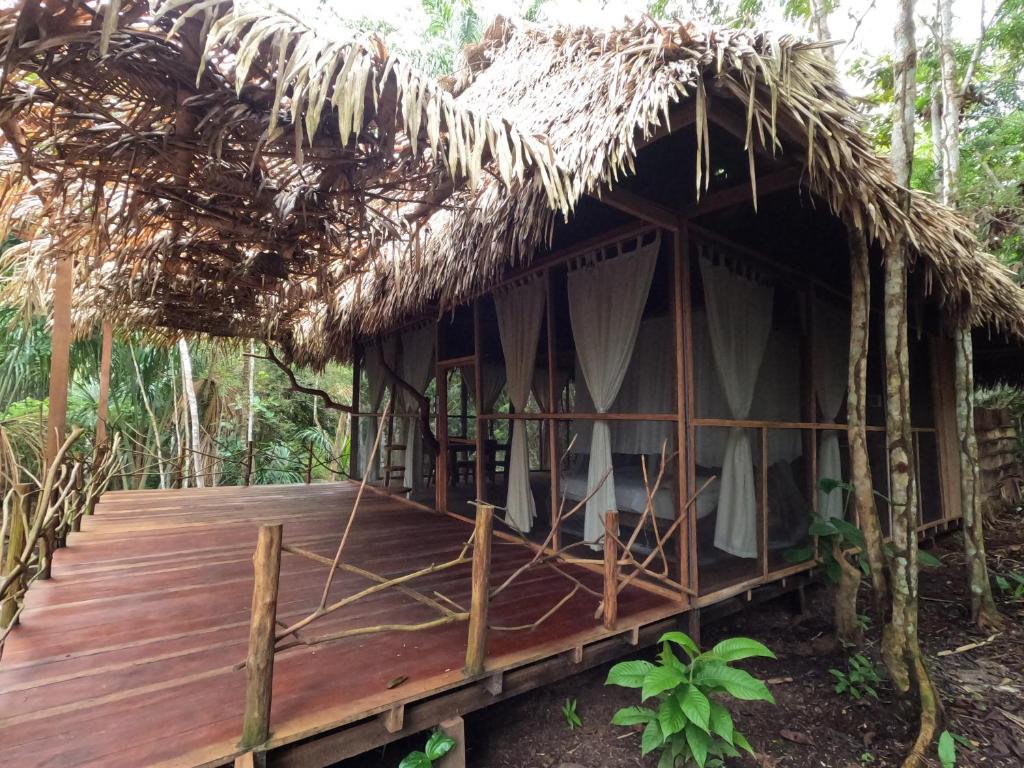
(216, 166)
(598, 95)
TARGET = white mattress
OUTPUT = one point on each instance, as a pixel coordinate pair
(631, 494)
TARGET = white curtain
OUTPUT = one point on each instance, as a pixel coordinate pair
(831, 344)
(376, 384)
(606, 302)
(777, 394)
(416, 369)
(520, 312)
(739, 313)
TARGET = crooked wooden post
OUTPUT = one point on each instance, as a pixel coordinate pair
(15, 548)
(476, 648)
(309, 464)
(259, 664)
(610, 611)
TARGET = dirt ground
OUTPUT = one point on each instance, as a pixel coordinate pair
(980, 678)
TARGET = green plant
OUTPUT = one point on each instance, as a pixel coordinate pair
(690, 724)
(947, 750)
(438, 745)
(860, 678)
(572, 719)
(1011, 584)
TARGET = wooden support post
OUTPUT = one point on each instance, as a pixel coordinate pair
(455, 729)
(552, 424)
(309, 463)
(259, 664)
(611, 569)
(693, 625)
(248, 462)
(394, 718)
(476, 648)
(441, 470)
(478, 388)
(103, 406)
(56, 416)
(355, 469)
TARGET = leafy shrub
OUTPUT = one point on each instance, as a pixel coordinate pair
(690, 724)
(1012, 584)
(860, 678)
(438, 745)
(572, 719)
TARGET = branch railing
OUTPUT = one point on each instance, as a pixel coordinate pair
(38, 516)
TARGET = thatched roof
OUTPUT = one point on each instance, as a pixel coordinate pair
(217, 166)
(597, 93)
(227, 168)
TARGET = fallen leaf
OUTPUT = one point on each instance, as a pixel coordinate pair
(796, 737)
(397, 681)
(778, 680)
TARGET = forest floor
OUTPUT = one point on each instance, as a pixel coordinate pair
(980, 678)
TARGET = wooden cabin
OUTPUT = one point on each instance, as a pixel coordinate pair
(679, 343)
(597, 302)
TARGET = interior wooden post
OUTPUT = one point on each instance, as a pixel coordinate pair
(103, 405)
(476, 647)
(685, 483)
(355, 469)
(809, 400)
(762, 504)
(259, 664)
(56, 416)
(481, 424)
(553, 457)
(610, 602)
(441, 461)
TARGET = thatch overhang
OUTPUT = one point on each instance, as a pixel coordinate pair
(599, 96)
(222, 167)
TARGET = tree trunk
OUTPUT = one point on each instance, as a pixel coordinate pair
(951, 103)
(188, 386)
(900, 648)
(865, 510)
(983, 608)
(819, 26)
(848, 631)
(149, 412)
(250, 374)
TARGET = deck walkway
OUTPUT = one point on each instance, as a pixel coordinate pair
(127, 656)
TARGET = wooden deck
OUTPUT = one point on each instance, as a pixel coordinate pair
(127, 656)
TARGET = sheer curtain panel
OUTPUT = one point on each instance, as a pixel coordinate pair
(739, 314)
(520, 312)
(376, 384)
(831, 344)
(417, 367)
(606, 302)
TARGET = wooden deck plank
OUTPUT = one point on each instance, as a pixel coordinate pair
(127, 656)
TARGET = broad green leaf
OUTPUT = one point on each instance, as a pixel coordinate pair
(799, 555)
(741, 741)
(671, 717)
(683, 640)
(822, 528)
(738, 683)
(438, 745)
(652, 738)
(850, 532)
(669, 659)
(695, 705)
(928, 560)
(737, 648)
(720, 722)
(667, 759)
(415, 760)
(698, 741)
(831, 569)
(629, 674)
(829, 484)
(633, 716)
(947, 750)
(658, 680)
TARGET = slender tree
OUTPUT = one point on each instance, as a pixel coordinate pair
(983, 607)
(189, 390)
(900, 647)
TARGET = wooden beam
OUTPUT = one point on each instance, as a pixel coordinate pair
(779, 181)
(103, 406)
(455, 729)
(259, 664)
(56, 416)
(681, 309)
(476, 648)
(636, 205)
